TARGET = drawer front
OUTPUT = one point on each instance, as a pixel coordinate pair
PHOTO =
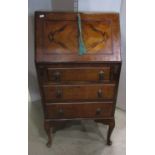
(78, 92)
(78, 74)
(79, 110)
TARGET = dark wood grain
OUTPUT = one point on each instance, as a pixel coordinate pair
(76, 92)
(75, 87)
(57, 37)
(77, 110)
(78, 74)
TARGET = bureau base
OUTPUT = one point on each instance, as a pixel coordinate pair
(50, 126)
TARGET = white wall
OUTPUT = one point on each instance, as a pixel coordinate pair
(69, 5)
(63, 5)
(121, 100)
(100, 5)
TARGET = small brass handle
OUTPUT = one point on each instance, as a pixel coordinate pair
(98, 111)
(101, 76)
(58, 93)
(61, 112)
(56, 76)
(100, 93)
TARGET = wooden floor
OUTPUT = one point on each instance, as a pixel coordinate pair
(73, 140)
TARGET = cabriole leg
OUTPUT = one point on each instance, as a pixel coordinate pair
(48, 132)
(110, 130)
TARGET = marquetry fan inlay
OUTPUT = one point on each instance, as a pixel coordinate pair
(97, 37)
(62, 37)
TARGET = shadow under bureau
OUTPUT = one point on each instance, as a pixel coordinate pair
(77, 86)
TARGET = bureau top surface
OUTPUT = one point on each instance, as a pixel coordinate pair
(57, 37)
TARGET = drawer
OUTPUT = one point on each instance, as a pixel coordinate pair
(79, 110)
(78, 74)
(78, 92)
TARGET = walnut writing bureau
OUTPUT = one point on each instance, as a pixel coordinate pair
(78, 63)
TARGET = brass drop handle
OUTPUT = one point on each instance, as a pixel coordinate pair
(101, 75)
(100, 93)
(56, 76)
(98, 111)
(58, 93)
(61, 112)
